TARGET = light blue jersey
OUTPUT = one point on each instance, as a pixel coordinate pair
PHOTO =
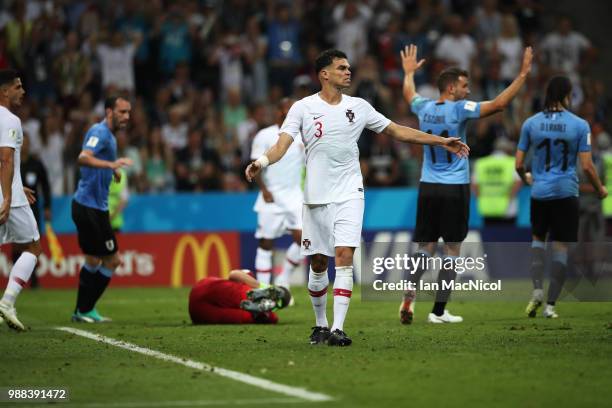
(92, 190)
(557, 138)
(447, 119)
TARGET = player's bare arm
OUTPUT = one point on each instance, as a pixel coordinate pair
(410, 135)
(502, 100)
(274, 154)
(586, 162)
(30, 195)
(519, 165)
(87, 158)
(238, 275)
(410, 65)
(6, 181)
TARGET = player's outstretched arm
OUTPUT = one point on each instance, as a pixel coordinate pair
(410, 135)
(410, 65)
(238, 275)
(6, 181)
(87, 158)
(274, 154)
(519, 165)
(502, 100)
(586, 162)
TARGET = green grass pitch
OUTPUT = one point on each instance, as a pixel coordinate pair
(497, 357)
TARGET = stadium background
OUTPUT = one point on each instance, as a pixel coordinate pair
(204, 75)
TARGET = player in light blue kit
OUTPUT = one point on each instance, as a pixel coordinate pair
(558, 138)
(99, 164)
(444, 191)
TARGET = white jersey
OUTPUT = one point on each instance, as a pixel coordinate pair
(330, 134)
(284, 178)
(11, 135)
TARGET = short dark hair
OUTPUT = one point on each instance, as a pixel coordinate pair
(449, 76)
(111, 101)
(325, 59)
(285, 297)
(557, 90)
(7, 76)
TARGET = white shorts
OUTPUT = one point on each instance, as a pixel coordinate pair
(20, 228)
(272, 225)
(327, 226)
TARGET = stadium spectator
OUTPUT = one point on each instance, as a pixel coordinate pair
(196, 167)
(456, 47)
(352, 20)
(283, 47)
(72, 71)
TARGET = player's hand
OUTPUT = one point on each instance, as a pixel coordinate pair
(527, 59)
(267, 196)
(252, 170)
(456, 146)
(5, 210)
(603, 192)
(409, 59)
(117, 175)
(528, 178)
(30, 195)
(122, 162)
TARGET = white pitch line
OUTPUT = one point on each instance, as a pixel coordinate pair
(195, 403)
(223, 372)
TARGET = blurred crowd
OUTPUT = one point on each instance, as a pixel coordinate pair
(204, 75)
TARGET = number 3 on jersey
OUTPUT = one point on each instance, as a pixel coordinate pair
(319, 131)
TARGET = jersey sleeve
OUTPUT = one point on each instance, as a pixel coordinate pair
(293, 122)
(375, 121)
(467, 110)
(9, 133)
(259, 146)
(584, 145)
(525, 138)
(418, 103)
(95, 141)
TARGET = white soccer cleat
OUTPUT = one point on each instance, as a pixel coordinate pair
(9, 314)
(445, 318)
(549, 312)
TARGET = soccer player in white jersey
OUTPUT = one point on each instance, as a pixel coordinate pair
(17, 223)
(330, 124)
(280, 200)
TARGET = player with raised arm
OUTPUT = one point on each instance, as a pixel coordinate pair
(280, 200)
(330, 124)
(444, 190)
(17, 222)
(99, 164)
(559, 139)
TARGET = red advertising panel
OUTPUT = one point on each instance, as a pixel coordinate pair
(172, 259)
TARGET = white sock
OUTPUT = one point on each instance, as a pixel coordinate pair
(19, 277)
(263, 265)
(317, 287)
(343, 289)
(293, 259)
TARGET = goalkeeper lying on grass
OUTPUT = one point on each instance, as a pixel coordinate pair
(237, 300)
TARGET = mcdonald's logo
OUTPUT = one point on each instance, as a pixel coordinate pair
(201, 253)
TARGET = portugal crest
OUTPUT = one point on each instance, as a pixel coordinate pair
(350, 115)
